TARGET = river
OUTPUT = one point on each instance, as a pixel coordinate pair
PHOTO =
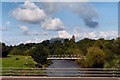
(63, 72)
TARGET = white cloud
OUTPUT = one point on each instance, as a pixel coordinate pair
(37, 33)
(50, 7)
(94, 34)
(17, 42)
(29, 5)
(64, 34)
(85, 11)
(81, 33)
(54, 25)
(107, 34)
(26, 31)
(24, 28)
(8, 23)
(36, 40)
(3, 29)
(30, 13)
(12, 42)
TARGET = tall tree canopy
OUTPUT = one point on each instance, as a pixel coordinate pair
(39, 54)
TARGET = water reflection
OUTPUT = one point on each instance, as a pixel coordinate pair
(63, 72)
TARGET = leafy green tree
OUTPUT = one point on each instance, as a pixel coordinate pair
(39, 54)
(59, 51)
(73, 50)
(95, 57)
(16, 51)
(66, 40)
(20, 49)
(114, 63)
(46, 42)
(84, 44)
(0, 49)
(5, 50)
(99, 44)
(27, 52)
(116, 46)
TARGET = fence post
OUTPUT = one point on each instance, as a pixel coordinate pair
(79, 73)
(10, 71)
(113, 74)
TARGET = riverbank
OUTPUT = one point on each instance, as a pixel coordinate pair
(18, 61)
(21, 62)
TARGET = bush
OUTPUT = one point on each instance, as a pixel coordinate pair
(95, 57)
(16, 58)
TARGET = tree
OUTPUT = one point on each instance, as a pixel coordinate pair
(27, 52)
(116, 46)
(0, 49)
(46, 42)
(99, 43)
(59, 51)
(114, 63)
(84, 44)
(66, 40)
(39, 54)
(73, 50)
(16, 51)
(5, 50)
(95, 57)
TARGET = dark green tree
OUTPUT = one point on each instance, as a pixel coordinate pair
(39, 54)
(5, 50)
(16, 51)
(66, 40)
(46, 42)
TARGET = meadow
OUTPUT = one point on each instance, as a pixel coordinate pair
(18, 61)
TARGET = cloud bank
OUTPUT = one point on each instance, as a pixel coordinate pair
(81, 33)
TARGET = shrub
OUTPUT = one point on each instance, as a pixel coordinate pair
(16, 58)
(95, 57)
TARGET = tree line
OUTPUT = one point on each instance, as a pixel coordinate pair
(99, 53)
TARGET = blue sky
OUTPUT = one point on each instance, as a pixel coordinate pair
(49, 20)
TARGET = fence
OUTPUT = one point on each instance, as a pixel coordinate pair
(63, 72)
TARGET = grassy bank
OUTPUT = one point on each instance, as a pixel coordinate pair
(18, 61)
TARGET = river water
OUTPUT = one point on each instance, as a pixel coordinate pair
(59, 72)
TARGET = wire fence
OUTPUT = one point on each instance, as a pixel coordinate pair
(63, 72)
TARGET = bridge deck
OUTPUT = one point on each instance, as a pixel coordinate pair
(65, 58)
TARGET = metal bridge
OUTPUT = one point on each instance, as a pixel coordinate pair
(68, 57)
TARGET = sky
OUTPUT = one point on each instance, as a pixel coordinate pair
(25, 22)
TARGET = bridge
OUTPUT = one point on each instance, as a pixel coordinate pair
(68, 57)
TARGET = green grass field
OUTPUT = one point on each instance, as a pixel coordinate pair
(11, 61)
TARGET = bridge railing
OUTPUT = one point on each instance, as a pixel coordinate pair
(65, 56)
(63, 72)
